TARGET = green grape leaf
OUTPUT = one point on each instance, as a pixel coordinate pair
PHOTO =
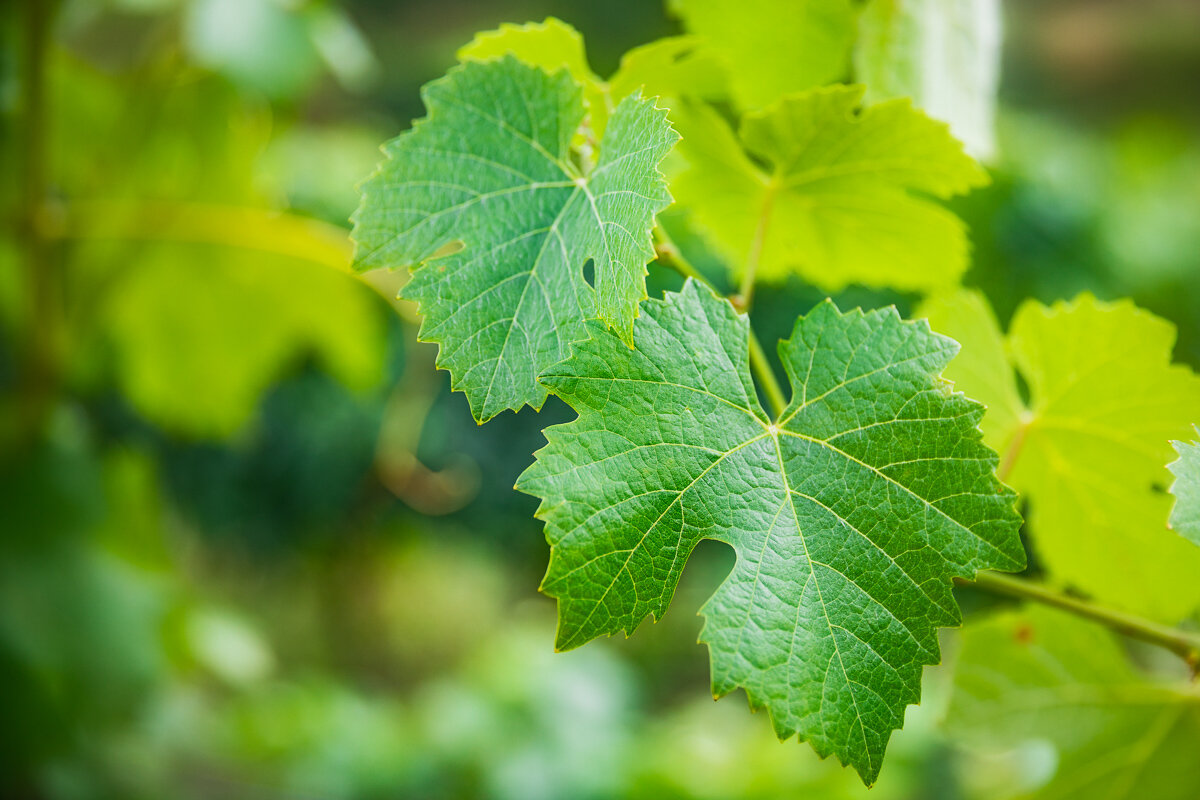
(1088, 449)
(1185, 517)
(849, 516)
(677, 66)
(550, 45)
(491, 167)
(774, 47)
(1043, 675)
(836, 201)
(944, 54)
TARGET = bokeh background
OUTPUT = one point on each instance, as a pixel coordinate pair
(252, 546)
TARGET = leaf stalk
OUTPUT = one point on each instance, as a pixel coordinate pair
(1184, 644)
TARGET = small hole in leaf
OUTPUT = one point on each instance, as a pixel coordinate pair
(589, 273)
(448, 249)
(1022, 387)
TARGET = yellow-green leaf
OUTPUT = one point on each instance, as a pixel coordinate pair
(1087, 451)
(842, 197)
(774, 47)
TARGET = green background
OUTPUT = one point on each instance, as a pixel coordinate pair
(257, 549)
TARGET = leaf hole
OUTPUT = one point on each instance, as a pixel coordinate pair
(1022, 388)
(589, 272)
(448, 249)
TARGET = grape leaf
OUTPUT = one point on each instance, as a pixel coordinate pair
(675, 66)
(1040, 674)
(550, 45)
(1088, 450)
(849, 517)
(1185, 517)
(944, 54)
(774, 47)
(836, 201)
(490, 167)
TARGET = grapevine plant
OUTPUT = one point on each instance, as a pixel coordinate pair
(528, 204)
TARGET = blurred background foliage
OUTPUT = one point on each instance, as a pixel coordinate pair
(253, 547)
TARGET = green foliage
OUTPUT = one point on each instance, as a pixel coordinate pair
(176, 279)
(837, 198)
(774, 47)
(1087, 450)
(853, 509)
(550, 45)
(178, 289)
(491, 168)
(1038, 674)
(849, 515)
(672, 67)
(677, 66)
(195, 327)
(1185, 516)
(944, 54)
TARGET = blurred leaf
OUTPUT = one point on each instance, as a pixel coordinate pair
(199, 339)
(260, 44)
(671, 67)
(1185, 516)
(715, 751)
(944, 54)
(677, 66)
(550, 45)
(490, 167)
(1088, 451)
(774, 47)
(849, 516)
(981, 369)
(345, 154)
(837, 201)
(1041, 674)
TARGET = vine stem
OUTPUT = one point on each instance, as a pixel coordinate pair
(669, 255)
(745, 296)
(42, 279)
(1185, 645)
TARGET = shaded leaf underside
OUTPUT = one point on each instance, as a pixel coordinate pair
(1038, 674)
